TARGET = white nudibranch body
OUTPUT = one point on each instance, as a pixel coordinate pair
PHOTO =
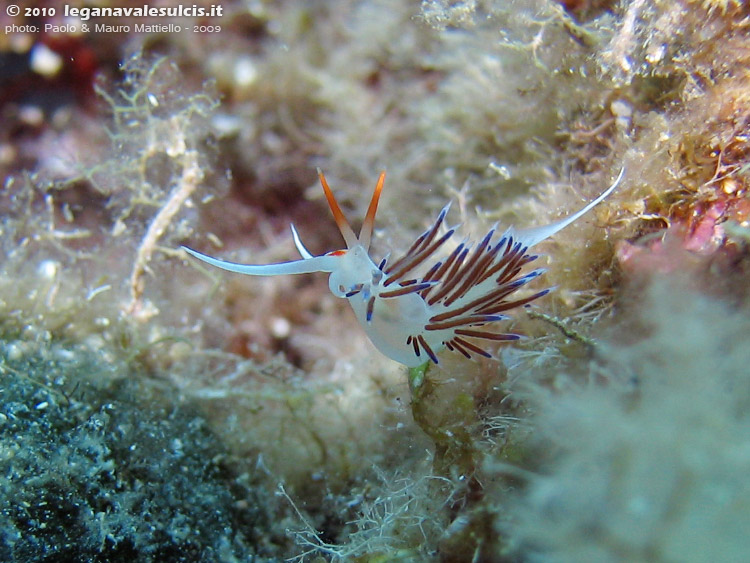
(418, 305)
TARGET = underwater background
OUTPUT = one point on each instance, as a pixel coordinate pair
(153, 409)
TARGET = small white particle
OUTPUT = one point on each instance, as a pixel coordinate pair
(44, 61)
(245, 72)
(14, 351)
(280, 327)
(47, 269)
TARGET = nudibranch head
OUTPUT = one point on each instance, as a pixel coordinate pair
(419, 304)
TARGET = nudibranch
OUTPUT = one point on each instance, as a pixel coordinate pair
(417, 305)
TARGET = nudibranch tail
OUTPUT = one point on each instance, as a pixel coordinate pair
(346, 230)
(535, 235)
